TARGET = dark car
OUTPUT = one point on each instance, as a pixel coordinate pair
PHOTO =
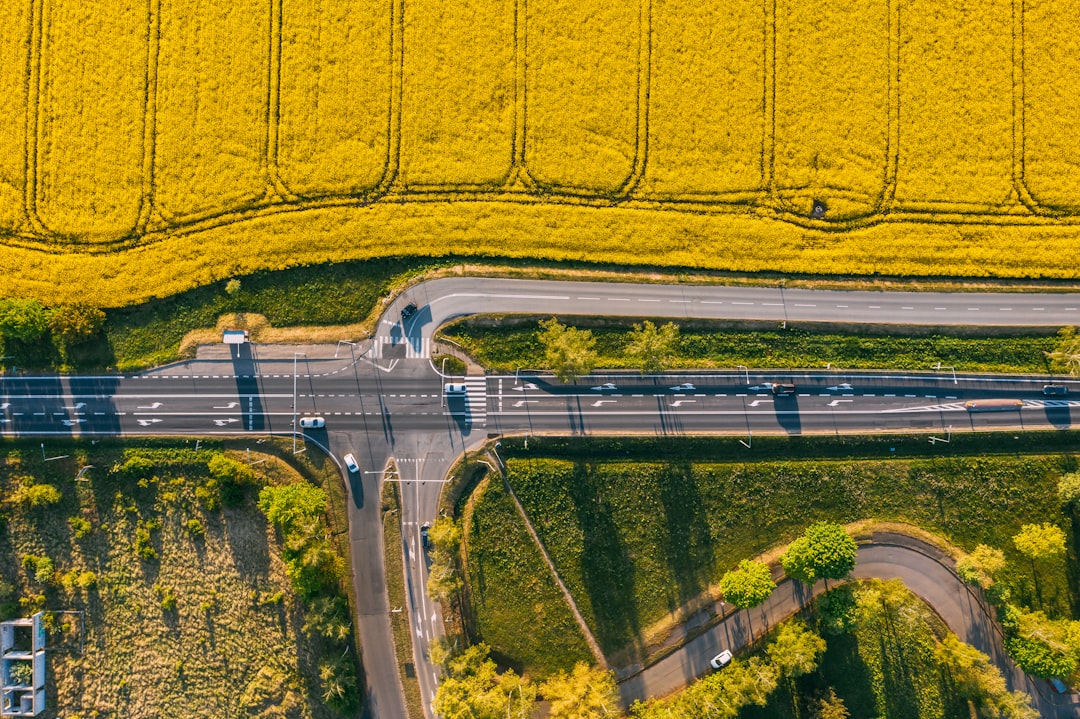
(408, 311)
(424, 539)
(1051, 390)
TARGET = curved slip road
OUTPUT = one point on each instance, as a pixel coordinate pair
(922, 568)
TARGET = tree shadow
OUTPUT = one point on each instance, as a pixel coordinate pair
(607, 569)
(689, 545)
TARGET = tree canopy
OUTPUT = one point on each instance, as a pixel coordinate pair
(585, 693)
(654, 347)
(795, 649)
(474, 689)
(1040, 541)
(825, 551)
(290, 505)
(568, 351)
(981, 566)
(749, 585)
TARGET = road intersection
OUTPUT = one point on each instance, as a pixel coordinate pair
(384, 402)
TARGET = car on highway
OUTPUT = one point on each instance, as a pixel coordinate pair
(684, 387)
(606, 387)
(312, 422)
(350, 462)
(721, 660)
(425, 540)
(454, 388)
(780, 389)
(408, 311)
(1055, 390)
(993, 405)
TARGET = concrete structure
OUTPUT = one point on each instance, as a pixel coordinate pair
(22, 644)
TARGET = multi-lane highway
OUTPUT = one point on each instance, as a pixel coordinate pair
(383, 401)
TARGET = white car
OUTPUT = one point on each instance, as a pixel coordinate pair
(350, 462)
(606, 387)
(721, 660)
(312, 422)
(686, 387)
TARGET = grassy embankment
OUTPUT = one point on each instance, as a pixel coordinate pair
(395, 585)
(637, 542)
(505, 343)
(182, 587)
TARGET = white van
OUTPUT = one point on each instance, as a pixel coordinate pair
(454, 388)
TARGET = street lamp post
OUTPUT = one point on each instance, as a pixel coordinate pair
(783, 301)
(294, 356)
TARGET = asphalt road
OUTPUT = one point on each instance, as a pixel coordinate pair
(383, 401)
(922, 568)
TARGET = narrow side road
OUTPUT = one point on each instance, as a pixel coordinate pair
(922, 568)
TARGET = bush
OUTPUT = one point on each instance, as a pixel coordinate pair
(43, 569)
(195, 528)
(87, 580)
(292, 505)
(136, 467)
(22, 673)
(144, 547)
(80, 526)
(167, 597)
(37, 495)
(209, 496)
(225, 470)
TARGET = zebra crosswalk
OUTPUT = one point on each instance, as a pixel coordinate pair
(413, 349)
(475, 404)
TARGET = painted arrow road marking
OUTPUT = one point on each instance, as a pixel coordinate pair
(759, 387)
(76, 408)
(72, 422)
(840, 387)
(523, 402)
(835, 402)
(678, 402)
(527, 385)
(230, 405)
(222, 422)
(756, 402)
(155, 405)
(147, 422)
(5, 405)
(599, 402)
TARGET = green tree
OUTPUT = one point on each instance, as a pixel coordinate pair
(825, 551)
(289, 505)
(568, 351)
(749, 585)
(1066, 355)
(22, 320)
(232, 287)
(445, 535)
(1069, 490)
(474, 689)
(980, 682)
(829, 706)
(795, 649)
(585, 693)
(653, 347)
(837, 610)
(72, 324)
(1040, 541)
(981, 566)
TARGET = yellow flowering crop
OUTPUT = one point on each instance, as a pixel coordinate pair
(457, 116)
(334, 116)
(212, 106)
(706, 104)
(956, 104)
(582, 93)
(91, 102)
(231, 136)
(14, 47)
(1051, 102)
(832, 104)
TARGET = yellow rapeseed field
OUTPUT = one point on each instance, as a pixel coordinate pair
(706, 105)
(333, 130)
(91, 103)
(1051, 102)
(956, 105)
(832, 104)
(582, 93)
(147, 146)
(14, 51)
(212, 106)
(457, 115)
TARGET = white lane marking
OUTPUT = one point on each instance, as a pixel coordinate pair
(1070, 309)
(680, 402)
(972, 309)
(649, 300)
(522, 402)
(230, 405)
(907, 308)
(843, 307)
(836, 402)
(875, 307)
(1038, 309)
(772, 304)
(941, 309)
(717, 302)
(806, 305)
(591, 298)
(600, 402)
(618, 299)
(742, 303)
(154, 405)
(679, 302)
(756, 402)
(1004, 309)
